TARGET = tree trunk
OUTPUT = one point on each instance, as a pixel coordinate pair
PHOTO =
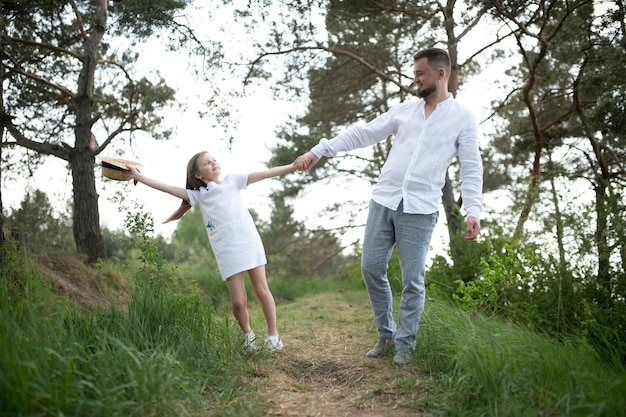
(602, 224)
(601, 189)
(449, 201)
(2, 116)
(564, 283)
(535, 172)
(87, 233)
(451, 209)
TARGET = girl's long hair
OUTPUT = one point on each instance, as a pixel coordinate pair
(192, 183)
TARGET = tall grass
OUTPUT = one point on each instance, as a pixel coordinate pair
(168, 354)
(483, 367)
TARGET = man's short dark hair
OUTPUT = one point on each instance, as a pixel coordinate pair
(437, 58)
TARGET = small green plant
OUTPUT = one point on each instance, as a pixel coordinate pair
(140, 225)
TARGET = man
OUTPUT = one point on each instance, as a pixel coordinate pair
(428, 134)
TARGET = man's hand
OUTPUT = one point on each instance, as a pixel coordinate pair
(473, 227)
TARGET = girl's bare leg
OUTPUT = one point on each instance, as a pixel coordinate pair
(265, 297)
(239, 301)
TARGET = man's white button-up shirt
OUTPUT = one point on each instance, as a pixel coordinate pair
(422, 150)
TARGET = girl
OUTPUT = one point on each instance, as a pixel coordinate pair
(232, 234)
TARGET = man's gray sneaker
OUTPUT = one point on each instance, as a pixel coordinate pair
(381, 347)
(403, 356)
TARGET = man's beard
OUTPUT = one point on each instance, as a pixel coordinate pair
(427, 91)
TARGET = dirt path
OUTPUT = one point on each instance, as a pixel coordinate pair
(324, 371)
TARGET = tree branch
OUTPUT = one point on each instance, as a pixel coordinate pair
(46, 46)
(62, 90)
(334, 51)
(61, 151)
(79, 19)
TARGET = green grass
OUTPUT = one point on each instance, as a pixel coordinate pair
(170, 352)
(486, 367)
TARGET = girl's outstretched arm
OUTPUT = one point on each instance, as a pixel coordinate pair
(269, 173)
(179, 192)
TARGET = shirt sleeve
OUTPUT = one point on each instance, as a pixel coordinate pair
(240, 179)
(193, 197)
(471, 169)
(359, 135)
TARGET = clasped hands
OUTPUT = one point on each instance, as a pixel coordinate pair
(305, 161)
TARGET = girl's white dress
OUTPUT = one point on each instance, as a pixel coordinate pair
(232, 233)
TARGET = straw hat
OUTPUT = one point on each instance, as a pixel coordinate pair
(113, 168)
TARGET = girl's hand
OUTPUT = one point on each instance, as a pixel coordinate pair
(131, 172)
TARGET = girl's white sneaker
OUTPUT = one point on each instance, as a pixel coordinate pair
(273, 343)
(249, 340)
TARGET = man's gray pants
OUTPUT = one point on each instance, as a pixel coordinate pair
(411, 233)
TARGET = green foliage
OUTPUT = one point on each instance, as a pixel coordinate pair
(189, 231)
(503, 274)
(293, 251)
(560, 129)
(445, 275)
(118, 98)
(63, 80)
(285, 291)
(144, 18)
(191, 245)
(603, 322)
(191, 241)
(170, 353)
(141, 227)
(21, 287)
(36, 225)
(209, 282)
(116, 244)
(486, 367)
(118, 247)
(521, 283)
